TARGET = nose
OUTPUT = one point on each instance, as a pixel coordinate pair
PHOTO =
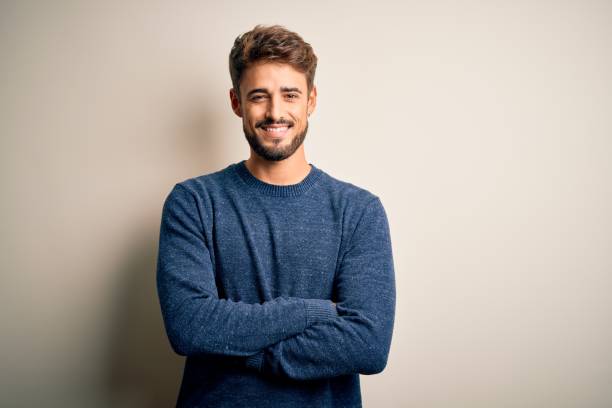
(274, 109)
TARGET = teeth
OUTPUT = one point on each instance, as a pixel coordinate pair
(281, 129)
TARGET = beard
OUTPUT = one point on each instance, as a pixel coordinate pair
(275, 153)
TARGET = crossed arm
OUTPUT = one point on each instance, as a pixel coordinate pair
(358, 340)
(289, 337)
(196, 320)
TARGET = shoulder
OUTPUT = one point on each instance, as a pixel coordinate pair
(355, 205)
(203, 186)
(361, 210)
(354, 199)
(194, 198)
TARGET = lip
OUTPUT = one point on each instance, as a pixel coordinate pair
(276, 134)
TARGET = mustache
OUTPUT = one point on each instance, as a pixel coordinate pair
(267, 122)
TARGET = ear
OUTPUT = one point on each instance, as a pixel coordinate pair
(235, 101)
(312, 100)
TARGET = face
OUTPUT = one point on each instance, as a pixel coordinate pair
(274, 106)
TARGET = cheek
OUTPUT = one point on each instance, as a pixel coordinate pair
(252, 117)
(299, 113)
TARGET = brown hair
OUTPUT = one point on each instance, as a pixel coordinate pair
(273, 44)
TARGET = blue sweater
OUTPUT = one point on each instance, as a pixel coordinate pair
(247, 277)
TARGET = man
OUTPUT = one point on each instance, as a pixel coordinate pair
(275, 279)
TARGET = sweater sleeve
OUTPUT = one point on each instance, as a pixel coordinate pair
(359, 339)
(197, 322)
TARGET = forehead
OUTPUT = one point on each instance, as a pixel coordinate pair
(272, 76)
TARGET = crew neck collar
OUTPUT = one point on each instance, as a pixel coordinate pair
(276, 190)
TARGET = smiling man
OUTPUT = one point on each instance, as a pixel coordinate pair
(279, 91)
(275, 279)
(274, 99)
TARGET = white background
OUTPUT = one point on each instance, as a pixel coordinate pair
(484, 127)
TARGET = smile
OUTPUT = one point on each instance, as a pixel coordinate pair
(275, 131)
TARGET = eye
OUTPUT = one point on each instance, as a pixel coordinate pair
(292, 96)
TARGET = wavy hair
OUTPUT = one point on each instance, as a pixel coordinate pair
(272, 44)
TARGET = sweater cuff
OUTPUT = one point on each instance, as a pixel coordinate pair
(319, 310)
(255, 361)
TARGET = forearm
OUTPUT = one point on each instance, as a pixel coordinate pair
(203, 324)
(345, 345)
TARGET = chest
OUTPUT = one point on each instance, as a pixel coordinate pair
(265, 252)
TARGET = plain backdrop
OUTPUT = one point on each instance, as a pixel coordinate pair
(483, 126)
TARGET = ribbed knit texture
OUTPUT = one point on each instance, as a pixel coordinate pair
(246, 275)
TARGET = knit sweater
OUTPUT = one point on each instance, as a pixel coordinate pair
(247, 276)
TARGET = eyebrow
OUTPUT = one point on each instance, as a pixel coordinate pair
(283, 89)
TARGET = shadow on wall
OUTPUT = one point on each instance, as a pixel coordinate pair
(143, 370)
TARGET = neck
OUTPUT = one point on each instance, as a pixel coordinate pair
(285, 172)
